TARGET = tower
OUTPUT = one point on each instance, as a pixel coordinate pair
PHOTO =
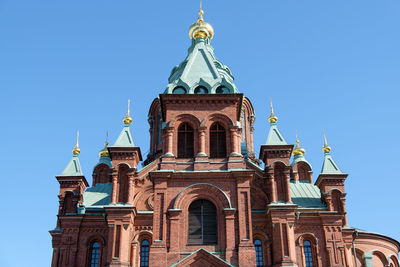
(202, 197)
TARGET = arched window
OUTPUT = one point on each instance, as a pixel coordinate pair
(144, 253)
(185, 141)
(222, 90)
(308, 254)
(202, 222)
(94, 257)
(217, 141)
(200, 90)
(259, 253)
(179, 90)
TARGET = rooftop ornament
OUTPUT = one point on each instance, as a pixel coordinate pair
(127, 119)
(201, 29)
(76, 150)
(298, 150)
(272, 118)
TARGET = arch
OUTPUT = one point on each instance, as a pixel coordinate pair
(142, 234)
(182, 118)
(97, 237)
(303, 170)
(336, 199)
(258, 198)
(179, 90)
(218, 117)
(308, 244)
(201, 90)
(277, 162)
(222, 89)
(70, 202)
(206, 191)
(379, 259)
(94, 251)
(140, 199)
(122, 163)
(101, 174)
(359, 257)
(334, 189)
(154, 107)
(123, 183)
(393, 260)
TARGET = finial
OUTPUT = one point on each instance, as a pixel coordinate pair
(201, 12)
(104, 151)
(201, 29)
(76, 150)
(272, 118)
(298, 150)
(325, 148)
(127, 119)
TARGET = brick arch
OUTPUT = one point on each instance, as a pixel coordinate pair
(314, 246)
(101, 173)
(202, 191)
(121, 164)
(381, 257)
(303, 171)
(277, 163)
(192, 120)
(96, 237)
(259, 198)
(218, 117)
(360, 257)
(280, 169)
(139, 236)
(393, 260)
(140, 200)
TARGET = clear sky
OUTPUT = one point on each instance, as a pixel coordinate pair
(72, 65)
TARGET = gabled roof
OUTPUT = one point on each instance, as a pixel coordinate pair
(200, 67)
(98, 195)
(202, 257)
(329, 166)
(73, 168)
(274, 136)
(125, 138)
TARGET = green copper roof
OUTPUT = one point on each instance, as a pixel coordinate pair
(98, 195)
(73, 168)
(306, 195)
(299, 158)
(125, 138)
(201, 68)
(274, 136)
(329, 166)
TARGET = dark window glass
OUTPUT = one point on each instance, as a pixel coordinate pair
(259, 253)
(217, 141)
(202, 222)
(200, 90)
(179, 90)
(222, 90)
(144, 253)
(308, 254)
(185, 141)
(95, 254)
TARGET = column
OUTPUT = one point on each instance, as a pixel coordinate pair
(114, 186)
(131, 186)
(273, 187)
(170, 134)
(344, 211)
(288, 196)
(202, 142)
(234, 142)
(229, 233)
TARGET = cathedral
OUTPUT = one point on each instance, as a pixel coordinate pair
(203, 196)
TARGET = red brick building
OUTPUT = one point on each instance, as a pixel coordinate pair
(203, 196)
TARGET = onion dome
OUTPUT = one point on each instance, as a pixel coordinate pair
(104, 151)
(127, 119)
(76, 150)
(298, 150)
(272, 118)
(325, 148)
(201, 29)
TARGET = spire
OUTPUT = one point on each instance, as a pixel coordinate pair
(201, 29)
(298, 150)
(104, 154)
(274, 136)
(329, 166)
(127, 119)
(74, 167)
(125, 137)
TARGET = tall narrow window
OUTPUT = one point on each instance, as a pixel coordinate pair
(95, 255)
(308, 255)
(259, 254)
(185, 141)
(217, 141)
(144, 253)
(202, 222)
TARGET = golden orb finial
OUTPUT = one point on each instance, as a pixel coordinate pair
(127, 119)
(104, 151)
(201, 29)
(76, 150)
(325, 148)
(272, 118)
(298, 150)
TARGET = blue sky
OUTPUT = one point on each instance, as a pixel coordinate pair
(72, 65)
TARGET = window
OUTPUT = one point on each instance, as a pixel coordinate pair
(179, 90)
(217, 141)
(202, 222)
(144, 253)
(308, 254)
(95, 255)
(222, 90)
(185, 141)
(259, 254)
(200, 90)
